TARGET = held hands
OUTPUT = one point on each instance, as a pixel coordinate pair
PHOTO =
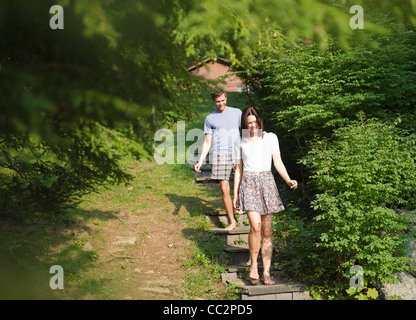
(236, 203)
(237, 206)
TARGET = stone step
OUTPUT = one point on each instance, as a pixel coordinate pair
(206, 176)
(244, 270)
(256, 290)
(239, 255)
(237, 230)
(239, 235)
(220, 218)
(203, 176)
(237, 248)
(204, 167)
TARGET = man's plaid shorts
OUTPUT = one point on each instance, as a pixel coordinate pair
(222, 166)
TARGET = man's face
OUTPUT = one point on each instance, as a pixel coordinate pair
(221, 103)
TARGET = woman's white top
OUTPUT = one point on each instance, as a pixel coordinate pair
(257, 155)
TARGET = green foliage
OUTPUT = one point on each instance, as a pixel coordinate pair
(232, 28)
(74, 101)
(50, 179)
(352, 173)
(363, 173)
(310, 92)
(361, 294)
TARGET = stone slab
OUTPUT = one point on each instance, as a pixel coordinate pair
(237, 248)
(257, 288)
(246, 269)
(276, 288)
(276, 296)
(304, 295)
(203, 176)
(204, 167)
(228, 277)
(220, 219)
(237, 230)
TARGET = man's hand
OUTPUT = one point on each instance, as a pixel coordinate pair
(197, 167)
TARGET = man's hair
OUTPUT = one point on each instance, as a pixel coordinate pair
(251, 111)
(217, 94)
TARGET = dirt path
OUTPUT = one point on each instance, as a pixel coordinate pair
(141, 250)
(147, 251)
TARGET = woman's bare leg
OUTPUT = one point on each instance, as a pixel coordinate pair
(254, 242)
(267, 246)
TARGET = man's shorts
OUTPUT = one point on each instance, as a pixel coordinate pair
(222, 166)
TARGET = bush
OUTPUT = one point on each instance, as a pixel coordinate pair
(36, 177)
(351, 174)
(365, 171)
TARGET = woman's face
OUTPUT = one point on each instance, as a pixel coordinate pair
(252, 123)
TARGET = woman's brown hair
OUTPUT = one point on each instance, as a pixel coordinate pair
(251, 111)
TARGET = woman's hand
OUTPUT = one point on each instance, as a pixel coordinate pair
(293, 184)
(236, 203)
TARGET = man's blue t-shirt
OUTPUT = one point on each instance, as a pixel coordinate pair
(225, 129)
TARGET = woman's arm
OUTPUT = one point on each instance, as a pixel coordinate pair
(281, 169)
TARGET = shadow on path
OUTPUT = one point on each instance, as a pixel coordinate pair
(196, 206)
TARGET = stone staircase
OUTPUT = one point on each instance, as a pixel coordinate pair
(236, 252)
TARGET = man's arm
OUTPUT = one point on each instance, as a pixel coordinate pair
(237, 179)
(205, 149)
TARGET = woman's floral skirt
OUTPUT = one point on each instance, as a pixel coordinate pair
(258, 192)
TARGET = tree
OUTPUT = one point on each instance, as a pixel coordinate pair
(74, 100)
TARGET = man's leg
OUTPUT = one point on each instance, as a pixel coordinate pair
(228, 203)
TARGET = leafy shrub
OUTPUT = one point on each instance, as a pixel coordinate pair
(363, 172)
(351, 174)
(36, 177)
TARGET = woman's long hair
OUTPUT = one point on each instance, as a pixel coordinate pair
(251, 111)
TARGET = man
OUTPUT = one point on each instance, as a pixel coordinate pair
(221, 127)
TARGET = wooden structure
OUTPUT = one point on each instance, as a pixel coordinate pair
(209, 69)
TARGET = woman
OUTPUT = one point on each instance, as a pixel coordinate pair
(255, 190)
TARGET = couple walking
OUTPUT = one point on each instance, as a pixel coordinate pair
(250, 155)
